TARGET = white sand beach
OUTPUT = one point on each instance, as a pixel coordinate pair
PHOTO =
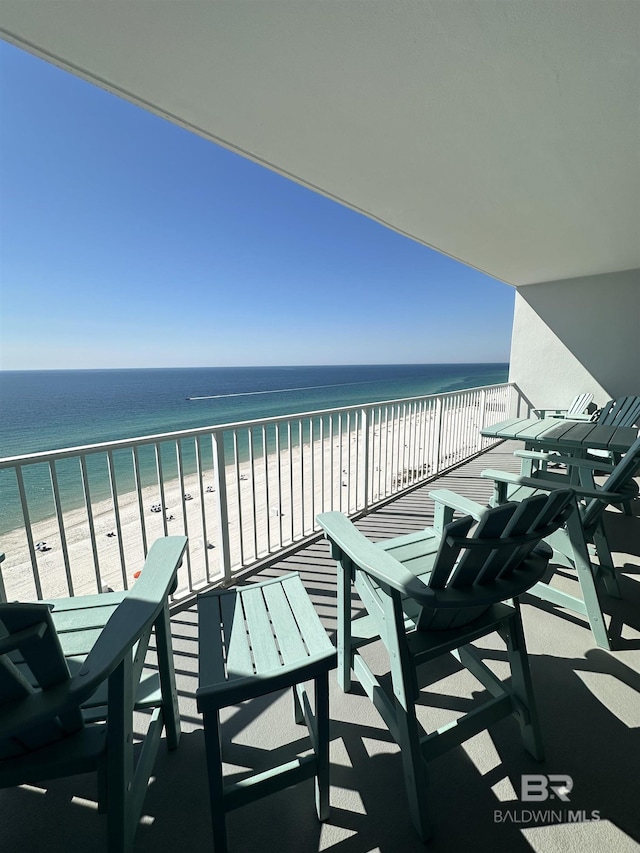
(272, 505)
(269, 504)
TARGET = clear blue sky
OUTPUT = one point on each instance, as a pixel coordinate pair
(126, 241)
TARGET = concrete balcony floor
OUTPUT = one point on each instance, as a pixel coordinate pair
(588, 699)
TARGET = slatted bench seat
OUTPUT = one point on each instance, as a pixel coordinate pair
(255, 640)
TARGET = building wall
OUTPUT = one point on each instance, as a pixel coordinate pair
(577, 335)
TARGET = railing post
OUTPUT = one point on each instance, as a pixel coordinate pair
(436, 443)
(483, 409)
(365, 458)
(516, 401)
(223, 509)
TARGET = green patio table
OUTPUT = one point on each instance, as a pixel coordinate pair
(255, 640)
(573, 438)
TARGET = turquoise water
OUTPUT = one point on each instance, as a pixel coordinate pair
(48, 410)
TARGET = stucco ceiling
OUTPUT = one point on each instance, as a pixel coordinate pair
(505, 134)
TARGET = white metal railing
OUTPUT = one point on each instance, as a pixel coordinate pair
(241, 492)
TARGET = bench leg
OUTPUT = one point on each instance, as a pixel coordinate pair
(216, 782)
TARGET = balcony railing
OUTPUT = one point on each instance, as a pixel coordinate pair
(80, 520)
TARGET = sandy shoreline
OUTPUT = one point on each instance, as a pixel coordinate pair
(281, 508)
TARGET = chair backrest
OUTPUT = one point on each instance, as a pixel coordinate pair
(621, 412)
(31, 663)
(501, 559)
(579, 404)
(617, 481)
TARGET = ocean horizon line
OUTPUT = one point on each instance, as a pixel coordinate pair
(257, 366)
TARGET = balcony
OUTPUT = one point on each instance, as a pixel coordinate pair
(588, 703)
(555, 215)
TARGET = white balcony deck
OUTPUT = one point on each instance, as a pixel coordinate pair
(589, 704)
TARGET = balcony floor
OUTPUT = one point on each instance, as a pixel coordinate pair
(588, 703)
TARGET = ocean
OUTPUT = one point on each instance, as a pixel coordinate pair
(53, 409)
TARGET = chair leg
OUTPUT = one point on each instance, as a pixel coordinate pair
(216, 781)
(607, 569)
(119, 761)
(442, 516)
(522, 685)
(298, 712)
(344, 641)
(170, 708)
(103, 787)
(584, 570)
(415, 770)
(322, 745)
(571, 544)
(405, 691)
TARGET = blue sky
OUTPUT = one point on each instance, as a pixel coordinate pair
(126, 241)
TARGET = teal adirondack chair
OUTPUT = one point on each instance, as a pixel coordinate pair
(622, 412)
(434, 592)
(570, 543)
(70, 679)
(576, 410)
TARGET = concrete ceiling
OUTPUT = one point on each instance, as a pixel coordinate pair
(505, 134)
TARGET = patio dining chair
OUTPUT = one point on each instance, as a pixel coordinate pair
(71, 676)
(582, 529)
(621, 412)
(432, 593)
(577, 409)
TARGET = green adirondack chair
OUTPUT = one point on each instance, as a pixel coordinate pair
(70, 679)
(622, 412)
(576, 410)
(434, 592)
(570, 543)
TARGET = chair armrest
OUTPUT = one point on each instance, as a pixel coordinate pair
(552, 485)
(345, 538)
(549, 413)
(135, 614)
(466, 506)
